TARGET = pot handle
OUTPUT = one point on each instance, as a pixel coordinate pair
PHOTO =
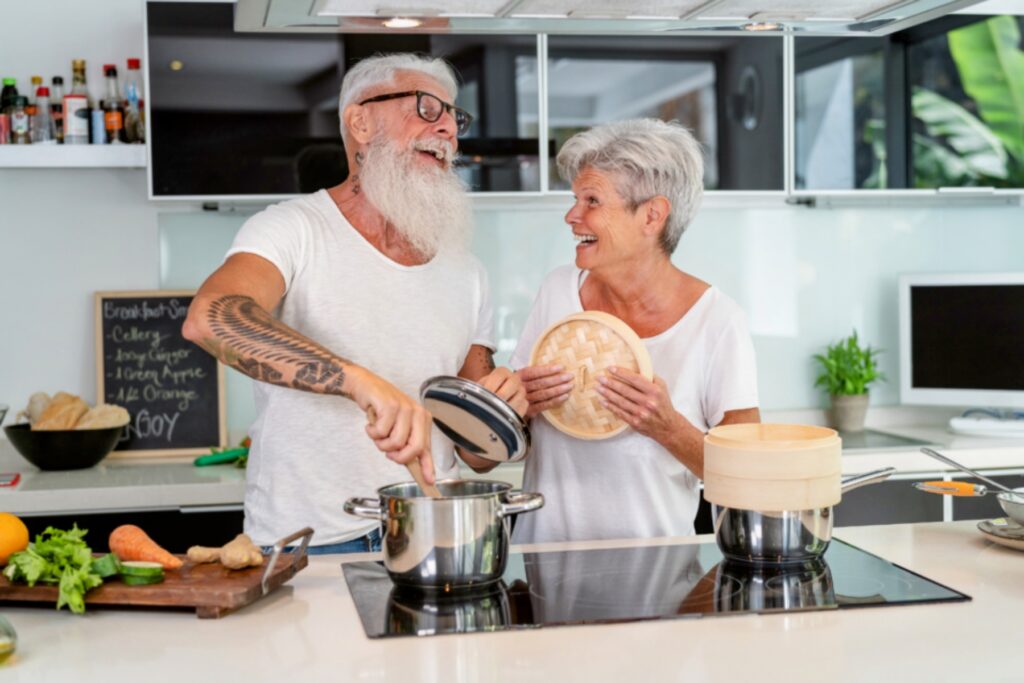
(874, 477)
(365, 507)
(515, 502)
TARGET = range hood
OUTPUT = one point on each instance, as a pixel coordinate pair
(664, 17)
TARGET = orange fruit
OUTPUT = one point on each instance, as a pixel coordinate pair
(13, 536)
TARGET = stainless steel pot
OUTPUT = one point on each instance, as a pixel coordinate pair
(741, 587)
(781, 537)
(418, 612)
(457, 541)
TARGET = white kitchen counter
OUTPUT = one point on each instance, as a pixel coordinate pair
(309, 631)
(118, 485)
(137, 485)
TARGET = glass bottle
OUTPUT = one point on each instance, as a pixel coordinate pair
(8, 94)
(76, 107)
(19, 121)
(40, 123)
(134, 126)
(8, 639)
(57, 108)
(37, 83)
(113, 108)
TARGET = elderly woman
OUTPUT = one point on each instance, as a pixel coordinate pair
(637, 185)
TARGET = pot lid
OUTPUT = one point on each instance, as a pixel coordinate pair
(476, 419)
(586, 344)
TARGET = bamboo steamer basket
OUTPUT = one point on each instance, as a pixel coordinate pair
(587, 344)
(772, 466)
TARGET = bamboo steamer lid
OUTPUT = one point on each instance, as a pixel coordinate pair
(772, 466)
(587, 344)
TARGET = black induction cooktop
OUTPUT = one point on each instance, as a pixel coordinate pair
(636, 584)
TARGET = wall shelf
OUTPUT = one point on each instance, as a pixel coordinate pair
(72, 156)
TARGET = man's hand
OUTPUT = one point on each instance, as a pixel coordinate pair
(508, 386)
(546, 387)
(398, 425)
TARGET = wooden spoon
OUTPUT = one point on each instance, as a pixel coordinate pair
(414, 467)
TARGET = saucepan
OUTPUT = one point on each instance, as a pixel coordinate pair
(785, 536)
(1011, 500)
(416, 612)
(455, 542)
(741, 587)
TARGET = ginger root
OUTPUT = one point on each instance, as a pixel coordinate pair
(238, 554)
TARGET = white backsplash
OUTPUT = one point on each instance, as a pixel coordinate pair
(805, 277)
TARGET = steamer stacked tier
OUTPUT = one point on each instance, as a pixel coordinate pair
(772, 467)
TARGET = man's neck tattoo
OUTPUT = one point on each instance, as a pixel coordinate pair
(355, 176)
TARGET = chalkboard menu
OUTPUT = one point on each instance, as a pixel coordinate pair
(173, 390)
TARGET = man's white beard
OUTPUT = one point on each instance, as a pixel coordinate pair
(428, 206)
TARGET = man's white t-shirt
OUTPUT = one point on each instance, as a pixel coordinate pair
(310, 452)
(628, 485)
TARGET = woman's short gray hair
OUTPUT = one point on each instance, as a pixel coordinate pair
(379, 70)
(647, 158)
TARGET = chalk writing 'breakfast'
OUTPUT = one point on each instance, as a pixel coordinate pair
(144, 310)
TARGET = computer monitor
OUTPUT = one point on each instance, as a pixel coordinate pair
(962, 340)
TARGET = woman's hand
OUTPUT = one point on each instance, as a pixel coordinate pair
(644, 404)
(508, 386)
(546, 387)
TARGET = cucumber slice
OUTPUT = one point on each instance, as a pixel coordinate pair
(130, 580)
(143, 569)
(106, 566)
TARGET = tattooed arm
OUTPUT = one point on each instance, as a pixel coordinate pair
(229, 317)
(479, 367)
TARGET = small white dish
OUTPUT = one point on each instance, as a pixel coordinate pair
(1003, 531)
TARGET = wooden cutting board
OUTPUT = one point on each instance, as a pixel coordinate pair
(209, 589)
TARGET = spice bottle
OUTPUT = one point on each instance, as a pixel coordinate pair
(113, 108)
(40, 123)
(76, 107)
(19, 121)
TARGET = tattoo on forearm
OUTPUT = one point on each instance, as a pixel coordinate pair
(486, 358)
(248, 339)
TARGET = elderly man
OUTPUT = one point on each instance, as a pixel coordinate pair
(342, 302)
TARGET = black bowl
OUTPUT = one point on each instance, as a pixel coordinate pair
(65, 449)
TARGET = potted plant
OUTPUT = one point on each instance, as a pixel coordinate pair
(847, 369)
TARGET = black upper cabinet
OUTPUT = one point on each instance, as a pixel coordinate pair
(727, 90)
(937, 105)
(254, 114)
(248, 114)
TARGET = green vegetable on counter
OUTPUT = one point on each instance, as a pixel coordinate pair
(107, 566)
(57, 557)
(141, 573)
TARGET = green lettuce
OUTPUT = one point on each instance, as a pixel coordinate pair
(57, 557)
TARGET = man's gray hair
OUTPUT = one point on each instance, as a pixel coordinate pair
(647, 158)
(379, 70)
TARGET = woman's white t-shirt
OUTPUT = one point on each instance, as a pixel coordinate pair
(628, 485)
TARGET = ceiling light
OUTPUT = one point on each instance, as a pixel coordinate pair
(401, 22)
(176, 65)
(761, 26)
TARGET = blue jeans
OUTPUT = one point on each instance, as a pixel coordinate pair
(370, 543)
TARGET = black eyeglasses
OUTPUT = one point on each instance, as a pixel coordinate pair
(430, 108)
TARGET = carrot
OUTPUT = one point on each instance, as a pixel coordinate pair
(130, 543)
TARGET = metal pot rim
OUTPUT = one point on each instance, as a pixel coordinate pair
(502, 487)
